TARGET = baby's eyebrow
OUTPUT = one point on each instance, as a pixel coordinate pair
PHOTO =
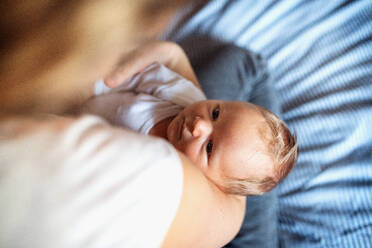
(216, 145)
(203, 154)
(214, 149)
(222, 109)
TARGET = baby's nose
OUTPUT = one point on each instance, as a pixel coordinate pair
(201, 127)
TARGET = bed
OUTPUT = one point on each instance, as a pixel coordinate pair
(319, 54)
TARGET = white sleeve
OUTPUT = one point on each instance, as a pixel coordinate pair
(87, 185)
(159, 81)
(148, 97)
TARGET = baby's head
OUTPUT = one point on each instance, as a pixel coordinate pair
(243, 148)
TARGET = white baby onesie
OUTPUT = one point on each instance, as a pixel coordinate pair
(148, 97)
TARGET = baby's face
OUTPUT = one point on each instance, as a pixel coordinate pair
(222, 139)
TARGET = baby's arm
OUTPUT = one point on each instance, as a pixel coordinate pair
(167, 53)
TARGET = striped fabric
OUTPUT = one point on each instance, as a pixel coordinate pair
(320, 54)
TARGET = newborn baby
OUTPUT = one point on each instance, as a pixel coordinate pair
(243, 148)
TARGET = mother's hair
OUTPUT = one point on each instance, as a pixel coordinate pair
(52, 49)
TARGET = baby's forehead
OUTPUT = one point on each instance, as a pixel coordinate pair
(240, 106)
(240, 121)
(242, 113)
(245, 154)
(247, 165)
(244, 151)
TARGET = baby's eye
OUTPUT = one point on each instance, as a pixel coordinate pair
(215, 113)
(209, 148)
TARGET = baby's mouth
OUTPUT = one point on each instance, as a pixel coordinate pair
(186, 134)
(180, 129)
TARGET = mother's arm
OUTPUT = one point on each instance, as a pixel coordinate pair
(206, 217)
(167, 53)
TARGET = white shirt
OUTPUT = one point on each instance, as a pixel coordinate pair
(148, 97)
(82, 183)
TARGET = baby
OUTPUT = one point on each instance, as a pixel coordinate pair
(241, 147)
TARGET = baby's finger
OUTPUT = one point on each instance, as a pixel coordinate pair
(120, 75)
(126, 70)
(114, 79)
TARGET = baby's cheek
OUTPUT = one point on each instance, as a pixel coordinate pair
(189, 149)
(194, 157)
(189, 152)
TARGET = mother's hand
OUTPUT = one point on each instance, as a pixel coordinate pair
(167, 53)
